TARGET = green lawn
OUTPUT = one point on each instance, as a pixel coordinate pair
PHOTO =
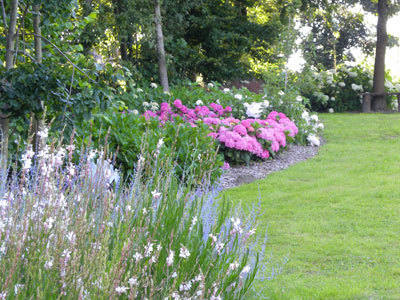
(336, 217)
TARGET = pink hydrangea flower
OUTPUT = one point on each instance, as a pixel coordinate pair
(240, 129)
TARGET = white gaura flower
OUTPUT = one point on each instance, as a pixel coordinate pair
(71, 237)
(135, 112)
(281, 93)
(153, 85)
(44, 133)
(148, 249)
(233, 266)
(27, 159)
(238, 97)
(155, 194)
(183, 252)
(49, 222)
(219, 247)
(139, 90)
(194, 221)
(175, 296)
(213, 238)
(137, 256)
(236, 228)
(185, 286)
(17, 287)
(3, 204)
(48, 264)
(170, 258)
(133, 281)
(145, 104)
(121, 290)
(174, 275)
(199, 102)
(245, 270)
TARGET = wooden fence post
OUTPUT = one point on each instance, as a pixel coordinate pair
(366, 103)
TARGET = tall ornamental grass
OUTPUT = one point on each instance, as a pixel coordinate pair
(75, 231)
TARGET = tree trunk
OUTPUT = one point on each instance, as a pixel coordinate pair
(10, 45)
(37, 124)
(379, 102)
(162, 63)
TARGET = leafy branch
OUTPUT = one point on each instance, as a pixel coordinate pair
(63, 54)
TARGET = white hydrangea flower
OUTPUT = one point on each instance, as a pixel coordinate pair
(331, 110)
(299, 98)
(314, 140)
(342, 84)
(356, 87)
(238, 97)
(153, 85)
(305, 115)
(352, 74)
(333, 99)
(254, 110)
(199, 102)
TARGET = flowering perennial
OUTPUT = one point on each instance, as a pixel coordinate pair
(257, 137)
(83, 234)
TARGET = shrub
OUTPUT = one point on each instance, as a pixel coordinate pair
(341, 89)
(193, 152)
(289, 103)
(241, 141)
(75, 231)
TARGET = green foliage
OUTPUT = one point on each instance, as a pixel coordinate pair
(335, 30)
(85, 236)
(341, 89)
(192, 150)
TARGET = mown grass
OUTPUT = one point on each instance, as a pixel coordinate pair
(336, 217)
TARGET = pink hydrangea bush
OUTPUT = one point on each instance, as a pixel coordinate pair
(240, 140)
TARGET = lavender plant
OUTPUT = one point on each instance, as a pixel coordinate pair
(75, 231)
